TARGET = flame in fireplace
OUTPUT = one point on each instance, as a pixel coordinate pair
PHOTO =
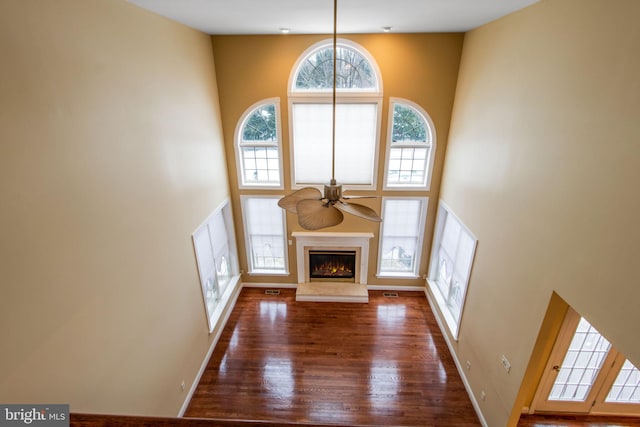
(332, 269)
(332, 265)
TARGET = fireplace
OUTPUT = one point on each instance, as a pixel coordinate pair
(340, 256)
(332, 266)
(355, 244)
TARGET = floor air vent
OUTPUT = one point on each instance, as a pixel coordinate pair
(272, 292)
(390, 294)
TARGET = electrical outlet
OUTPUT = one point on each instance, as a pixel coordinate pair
(505, 363)
(182, 385)
(483, 395)
(468, 365)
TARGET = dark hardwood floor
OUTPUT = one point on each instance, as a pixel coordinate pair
(381, 363)
(280, 362)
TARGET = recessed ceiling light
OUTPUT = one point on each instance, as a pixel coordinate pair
(284, 30)
(386, 29)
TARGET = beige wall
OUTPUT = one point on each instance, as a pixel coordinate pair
(420, 67)
(110, 157)
(543, 164)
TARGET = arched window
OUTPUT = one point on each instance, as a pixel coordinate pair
(410, 147)
(357, 116)
(258, 146)
(353, 70)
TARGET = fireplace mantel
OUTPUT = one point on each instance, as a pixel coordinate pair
(312, 240)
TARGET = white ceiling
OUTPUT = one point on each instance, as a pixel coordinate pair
(316, 17)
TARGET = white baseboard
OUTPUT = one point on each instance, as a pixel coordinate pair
(467, 386)
(369, 287)
(270, 285)
(222, 321)
(395, 288)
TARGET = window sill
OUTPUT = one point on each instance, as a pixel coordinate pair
(268, 273)
(397, 276)
(420, 187)
(261, 187)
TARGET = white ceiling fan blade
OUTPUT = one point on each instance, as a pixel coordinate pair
(290, 202)
(315, 214)
(359, 210)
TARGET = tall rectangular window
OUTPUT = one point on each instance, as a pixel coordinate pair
(217, 259)
(219, 229)
(401, 236)
(356, 125)
(450, 268)
(265, 235)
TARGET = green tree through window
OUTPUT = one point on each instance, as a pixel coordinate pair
(407, 125)
(261, 125)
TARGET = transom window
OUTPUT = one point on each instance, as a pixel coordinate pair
(353, 70)
(258, 146)
(357, 116)
(410, 147)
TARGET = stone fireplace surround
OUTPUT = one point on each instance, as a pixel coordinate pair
(307, 290)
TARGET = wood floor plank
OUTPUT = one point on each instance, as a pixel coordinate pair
(381, 363)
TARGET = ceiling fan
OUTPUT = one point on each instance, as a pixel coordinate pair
(314, 209)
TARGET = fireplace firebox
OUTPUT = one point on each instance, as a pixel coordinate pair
(332, 266)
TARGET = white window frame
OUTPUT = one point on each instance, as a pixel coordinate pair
(424, 202)
(239, 143)
(355, 96)
(253, 270)
(453, 320)
(215, 297)
(560, 366)
(431, 130)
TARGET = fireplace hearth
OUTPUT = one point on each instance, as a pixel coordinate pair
(334, 266)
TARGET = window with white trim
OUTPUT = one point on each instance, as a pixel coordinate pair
(258, 153)
(410, 147)
(216, 255)
(450, 268)
(359, 98)
(585, 374)
(264, 225)
(401, 236)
